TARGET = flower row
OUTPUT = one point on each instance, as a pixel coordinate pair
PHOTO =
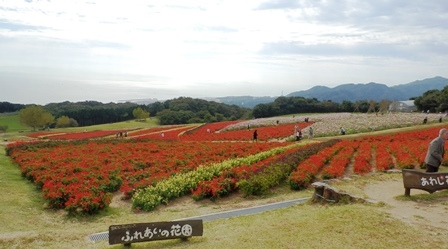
(373, 153)
(59, 168)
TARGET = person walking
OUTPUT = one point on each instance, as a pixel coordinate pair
(255, 136)
(298, 135)
(436, 151)
(311, 132)
(342, 131)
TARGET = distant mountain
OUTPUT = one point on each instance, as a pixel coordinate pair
(243, 101)
(418, 87)
(351, 92)
(373, 91)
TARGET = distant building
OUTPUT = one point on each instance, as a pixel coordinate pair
(403, 106)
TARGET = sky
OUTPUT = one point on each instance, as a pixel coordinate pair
(109, 51)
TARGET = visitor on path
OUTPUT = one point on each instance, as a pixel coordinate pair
(298, 135)
(342, 131)
(255, 136)
(311, 132)
(425, 120)
(436, 151)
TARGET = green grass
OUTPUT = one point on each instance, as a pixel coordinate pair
(18, 195)
(17, 131)
(13, 123)
(131, 124)
(425, 197)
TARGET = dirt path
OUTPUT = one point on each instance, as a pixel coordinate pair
(431, 216)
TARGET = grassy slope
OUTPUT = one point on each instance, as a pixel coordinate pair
(26, 224)
(132, 124)
(13, 123)
(17, 131)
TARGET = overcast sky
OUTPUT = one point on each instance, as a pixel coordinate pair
(110, 50)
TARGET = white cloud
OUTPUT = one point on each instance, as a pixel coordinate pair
(218, 47)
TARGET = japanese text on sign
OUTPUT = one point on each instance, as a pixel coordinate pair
(434, 181)
(131, 233)
(175, 231)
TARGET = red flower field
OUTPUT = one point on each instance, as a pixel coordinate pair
(80, 175)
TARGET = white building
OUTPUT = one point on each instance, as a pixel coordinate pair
(403, 106)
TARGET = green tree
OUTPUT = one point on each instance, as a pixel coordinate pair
(168, 117)
(73, 123)
(63, 121)
(35, 117)
(430, 100)
(262, 111)
(444, 100)
(347, 106)
(140, 114)
(361, 106)
(208, 118)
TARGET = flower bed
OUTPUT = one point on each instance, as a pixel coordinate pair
(110, 165)
(154, 130)
(400, 150)
(82, 135)
(265, 133)
(256, 178)
(80, 175)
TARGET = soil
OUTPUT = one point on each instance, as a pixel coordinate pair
(431, 216)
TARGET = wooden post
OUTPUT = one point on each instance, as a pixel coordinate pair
(407, 192)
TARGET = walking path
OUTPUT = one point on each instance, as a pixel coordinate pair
(246, 211)
(222, 215)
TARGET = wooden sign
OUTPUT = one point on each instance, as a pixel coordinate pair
(140, 232)
(430, 182)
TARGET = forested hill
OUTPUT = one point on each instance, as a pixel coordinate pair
(188, 110)
(176, 111)
(92, 112)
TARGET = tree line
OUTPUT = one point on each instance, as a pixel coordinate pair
(185, 110)
(88, 113)
(6, 107)
(433, 100)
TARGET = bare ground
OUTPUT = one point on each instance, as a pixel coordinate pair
(431, 216)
